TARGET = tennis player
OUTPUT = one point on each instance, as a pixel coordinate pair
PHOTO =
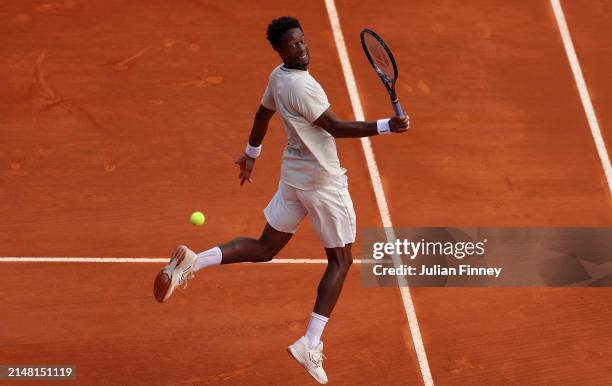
(312, 183)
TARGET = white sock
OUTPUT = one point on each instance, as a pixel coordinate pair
(315, 329)
(207, 258)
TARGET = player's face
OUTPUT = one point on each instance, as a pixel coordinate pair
(294, 49)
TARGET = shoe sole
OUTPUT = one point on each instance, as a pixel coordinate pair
(162, 288)
(295, 356)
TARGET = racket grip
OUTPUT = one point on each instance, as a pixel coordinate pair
(397, 108)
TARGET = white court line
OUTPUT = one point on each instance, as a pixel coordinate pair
(583, 91)
(381, 201)
(30, 259)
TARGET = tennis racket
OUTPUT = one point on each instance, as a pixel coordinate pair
(382, 60)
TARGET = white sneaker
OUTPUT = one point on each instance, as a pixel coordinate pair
(178, 270)
(310, 359)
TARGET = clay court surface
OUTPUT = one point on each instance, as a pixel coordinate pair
(118, 119)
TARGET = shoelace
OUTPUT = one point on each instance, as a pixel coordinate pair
(187, 274)
(316, 358)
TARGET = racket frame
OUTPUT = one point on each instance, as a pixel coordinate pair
(389, 83)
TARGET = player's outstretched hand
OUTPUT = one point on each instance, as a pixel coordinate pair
(246, 165)
(399, 124)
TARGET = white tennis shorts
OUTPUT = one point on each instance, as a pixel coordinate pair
(330, 209)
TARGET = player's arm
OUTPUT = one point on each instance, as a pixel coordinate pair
(330, 122)
(260, 125)
(258, 132)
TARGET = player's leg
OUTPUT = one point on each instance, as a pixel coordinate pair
(333, 217)
(284, 213)
(185, 262)
(245, 249)
(308, 350)
(339, 262)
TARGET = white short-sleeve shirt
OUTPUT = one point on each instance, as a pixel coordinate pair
(310, 158)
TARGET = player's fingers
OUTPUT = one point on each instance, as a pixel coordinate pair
(400, 121)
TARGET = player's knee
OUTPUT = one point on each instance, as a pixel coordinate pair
(267, 253)
(266, 257)
(342, 258)
(346, 262)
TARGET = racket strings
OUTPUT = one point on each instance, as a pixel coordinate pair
(380, 57)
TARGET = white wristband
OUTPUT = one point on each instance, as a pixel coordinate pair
(252, 151)
(382, 126)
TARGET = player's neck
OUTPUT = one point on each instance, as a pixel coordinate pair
(290, 67)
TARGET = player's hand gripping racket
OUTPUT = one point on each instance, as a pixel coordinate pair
(382, 60)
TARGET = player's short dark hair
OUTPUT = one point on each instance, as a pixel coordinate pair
(278, 27)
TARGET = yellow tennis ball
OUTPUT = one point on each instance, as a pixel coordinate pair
(197, 218)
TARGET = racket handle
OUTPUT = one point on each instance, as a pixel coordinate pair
(397, 108)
